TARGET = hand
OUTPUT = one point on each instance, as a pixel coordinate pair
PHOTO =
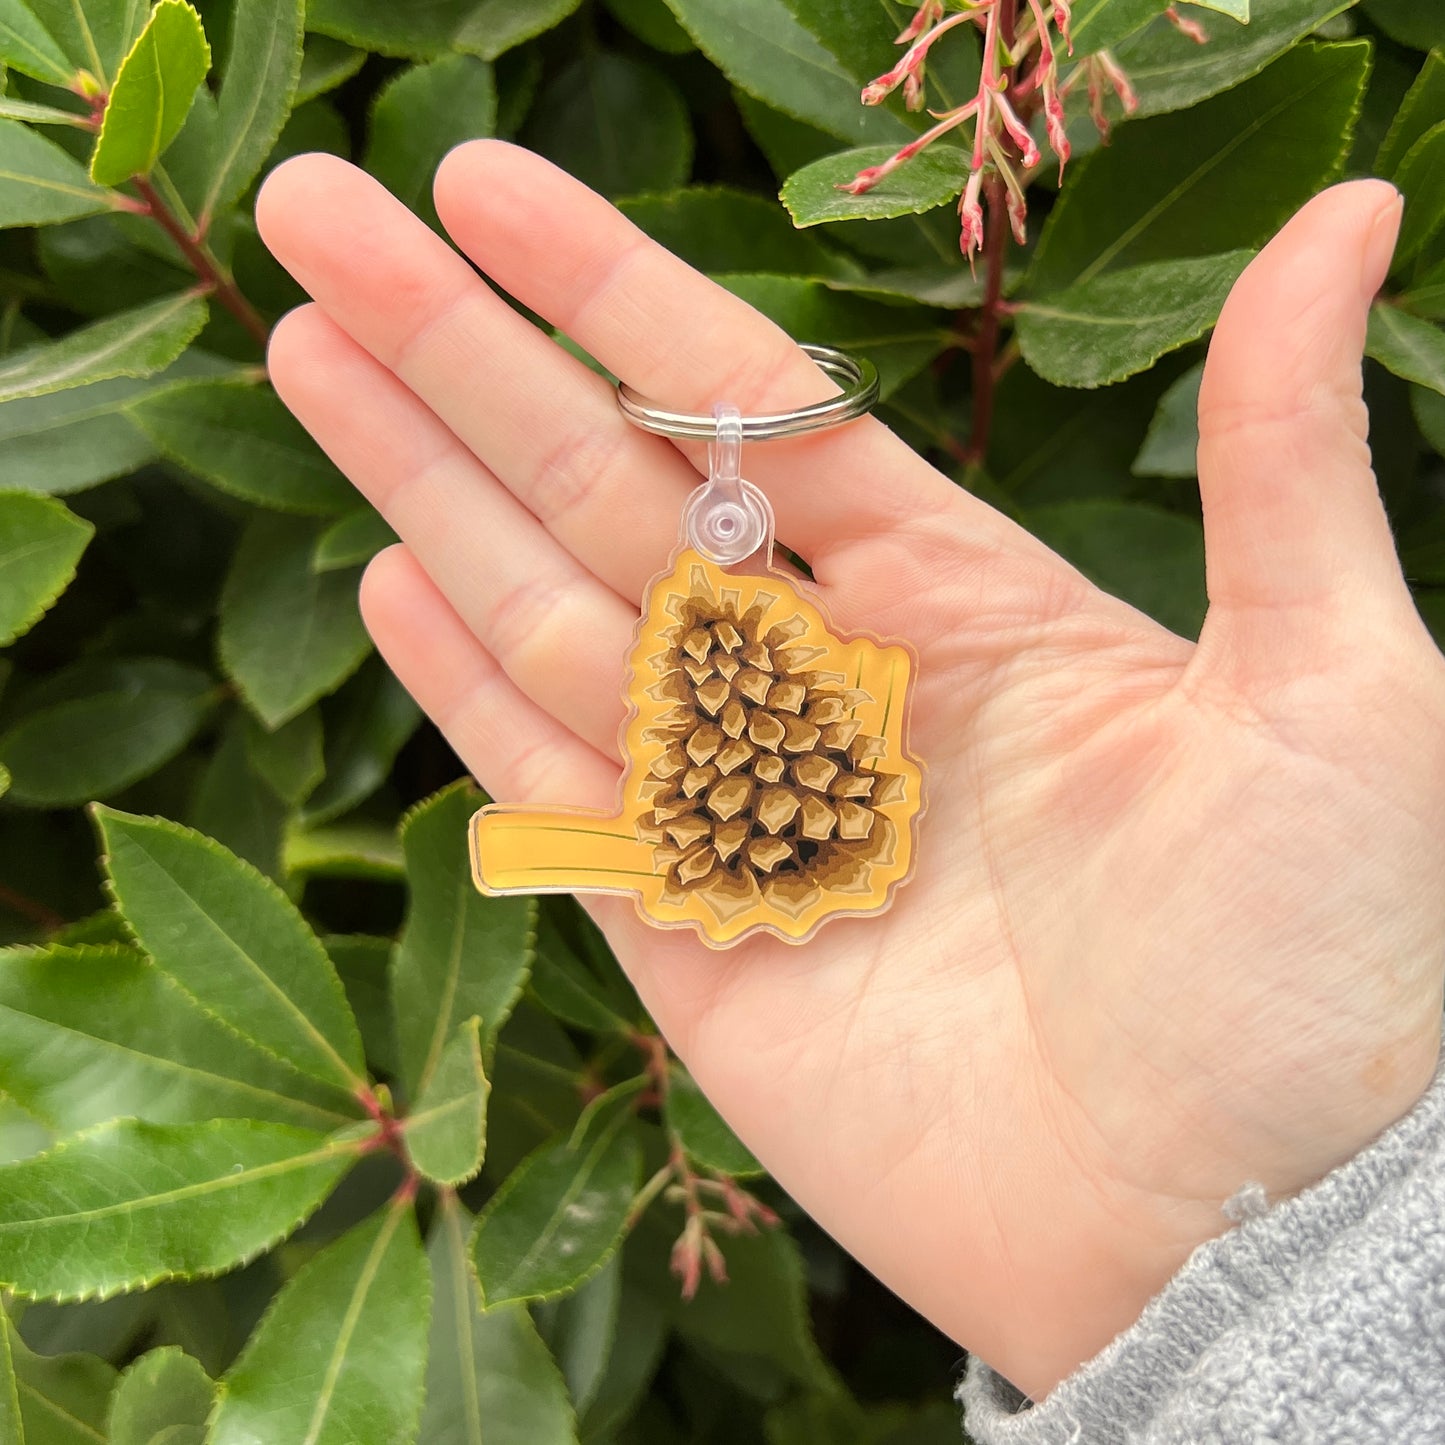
(1177, 922)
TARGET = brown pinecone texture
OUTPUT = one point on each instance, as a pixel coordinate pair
(765, 788)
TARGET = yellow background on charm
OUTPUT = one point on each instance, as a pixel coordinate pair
(560, 850)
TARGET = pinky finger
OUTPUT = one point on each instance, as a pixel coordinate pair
(518, 752)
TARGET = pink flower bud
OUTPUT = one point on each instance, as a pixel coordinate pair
(1018, 214)
(877, 91)
(1063, 16)
(1192, 28)
(970, 213)
(1028, 147)
(927, 15)
(864, 181)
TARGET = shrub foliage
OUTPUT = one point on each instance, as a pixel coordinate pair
(300, 1137)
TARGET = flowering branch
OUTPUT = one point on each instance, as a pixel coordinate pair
(1018, 79)
(700, 1192)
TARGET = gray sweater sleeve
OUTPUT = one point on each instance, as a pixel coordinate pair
(1319, 1321)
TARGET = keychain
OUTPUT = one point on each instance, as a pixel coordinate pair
(767, 784)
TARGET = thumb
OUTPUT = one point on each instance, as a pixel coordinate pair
(1295, 532)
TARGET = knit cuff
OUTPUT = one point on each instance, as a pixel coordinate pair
(1254, 1307)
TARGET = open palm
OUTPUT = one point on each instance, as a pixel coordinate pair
(1176, 922)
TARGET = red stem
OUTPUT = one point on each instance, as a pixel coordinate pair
(203, 263)
(29, 908)
(985, 345)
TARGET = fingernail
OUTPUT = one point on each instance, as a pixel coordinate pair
(1380, 244)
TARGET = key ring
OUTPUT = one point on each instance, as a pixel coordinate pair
(857, 375)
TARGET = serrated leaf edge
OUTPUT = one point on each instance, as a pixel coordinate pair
(343, 1142)
(355, 1078)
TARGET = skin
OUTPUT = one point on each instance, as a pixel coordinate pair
(1176, 923)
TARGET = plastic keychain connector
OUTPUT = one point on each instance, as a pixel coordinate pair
(727, 519)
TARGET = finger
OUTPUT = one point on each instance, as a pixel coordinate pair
(557, 631)
(1296, 535)
(545, 424)
(514, 749)
(676, 336)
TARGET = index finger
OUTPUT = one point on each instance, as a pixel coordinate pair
(679, 337)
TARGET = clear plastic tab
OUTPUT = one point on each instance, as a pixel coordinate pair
(727, 519)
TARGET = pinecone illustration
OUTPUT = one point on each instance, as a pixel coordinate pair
(766, 788)
(767, 784)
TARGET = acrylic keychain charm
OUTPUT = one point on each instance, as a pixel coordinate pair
(767, 784)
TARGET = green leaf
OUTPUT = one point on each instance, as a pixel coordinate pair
(704, 1133)
(288, 635)
(932, 178)
(1421, 26)
(40, 545)
(68, 440)
(351, 540)
(355, 849)
(1222, 176)
(95, 1032)
(762, 1311)
(1101, 24)
(487, 28)
(62, 1398)
(234, 942)
(1169, 71)
(1422, 109)
(40, 183)
(11, 109)
(364, 961)
(1420, 178)
(257, 93)
(93, 745)
(616, 123)
(27, 46)
(241, 438)
(462, 954)
(581, 1330)
(767, 53)
(419, 115)
(718, 229)
(653, 24)
(289, 757)
(134, 343)
(639, 1336)
(152, 93)
(1429, 409)
(339, 1358)
(130, 1203)
(235, 806)
(557, 1218)
(366, 724)
(1151, 558)
(1170, 449)
(12, 1427)
(493, 27)
(572, 991)
(899, 340)
(490, 1379)
(165, 1390)
(325, 64)
(1411, 348)
(1426, 296)
(94, 35)
(446, 1133)
(1118, 324)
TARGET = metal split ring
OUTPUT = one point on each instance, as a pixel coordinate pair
(857, 376)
